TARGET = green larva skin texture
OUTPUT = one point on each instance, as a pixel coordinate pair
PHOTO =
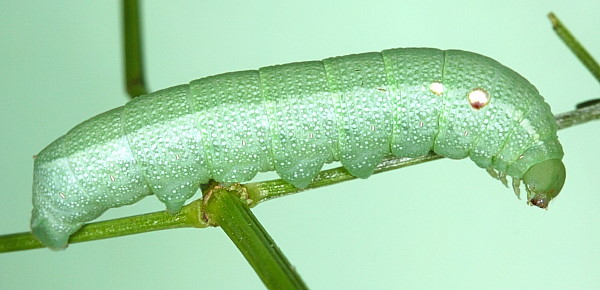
(293, 118)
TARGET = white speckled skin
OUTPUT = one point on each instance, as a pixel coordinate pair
(290, 118)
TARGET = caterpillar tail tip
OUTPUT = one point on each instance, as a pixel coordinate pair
(43, 231)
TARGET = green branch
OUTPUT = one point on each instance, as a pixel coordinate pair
(266, 190)
(579, 51)
(192, 214)
(228, 208)
(162, 220)
(132, 45)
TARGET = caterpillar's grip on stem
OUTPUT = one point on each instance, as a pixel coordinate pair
(294, 118)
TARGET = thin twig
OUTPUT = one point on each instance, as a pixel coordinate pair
(134, 65)
(225, 208)
(161, 220)
(257, 193)
(575, 46)
(266, 190)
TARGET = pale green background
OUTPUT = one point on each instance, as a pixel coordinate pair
(445, 224)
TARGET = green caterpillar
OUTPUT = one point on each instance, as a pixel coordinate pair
(293, 118)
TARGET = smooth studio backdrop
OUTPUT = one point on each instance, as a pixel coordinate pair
(445, 224)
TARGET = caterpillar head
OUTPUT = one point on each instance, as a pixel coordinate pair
(543, 182)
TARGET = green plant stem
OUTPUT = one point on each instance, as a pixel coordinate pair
(265, 190)
(225, 208)
(575, 46)
(579, 116)
(257, 192)
(134, 67)
(187, 217)
(587, 103)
